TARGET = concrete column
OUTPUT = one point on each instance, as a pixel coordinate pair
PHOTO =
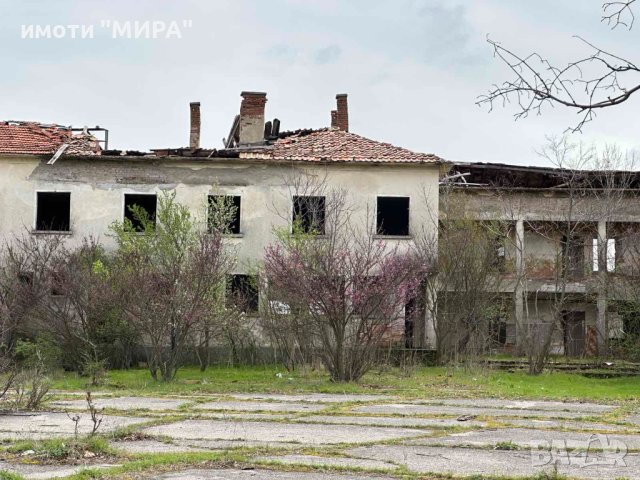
(519, 289)
(430, 321)
(601, 320)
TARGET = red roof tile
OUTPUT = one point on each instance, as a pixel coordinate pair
(37, 139)
(335, 145)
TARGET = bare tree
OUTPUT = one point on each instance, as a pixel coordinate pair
(599, 79)
(285, 325)
(78, 306)
(470, 266)
(170, 275)
(350, 287)
(25, 265)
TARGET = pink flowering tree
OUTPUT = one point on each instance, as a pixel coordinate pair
(343, 288)
(170, 273)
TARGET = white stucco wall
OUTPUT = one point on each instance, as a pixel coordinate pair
(98, 186)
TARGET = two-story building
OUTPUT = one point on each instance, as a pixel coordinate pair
(55, 181)
(568, 255)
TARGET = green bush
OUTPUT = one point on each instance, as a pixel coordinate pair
(41, 353)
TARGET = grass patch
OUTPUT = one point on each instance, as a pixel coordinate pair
(508, 445)
(164, 462)
(427, 382)
(10, 476)
(58, 449)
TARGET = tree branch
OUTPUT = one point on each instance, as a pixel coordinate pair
(598, 80)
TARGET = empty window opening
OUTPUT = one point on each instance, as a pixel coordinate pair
(574, 333)
(26, 278)
(58, 284)
(631, 325)
(573, 255)
(610, 254)
(53, 211)
(629, 313)
(393, 216)
(415, 310)
(309, 214)
(498, 328)
(242, 291)
(140, 208)
(498, 257)
(224, 213)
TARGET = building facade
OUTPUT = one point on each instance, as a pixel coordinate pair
(565, 250)
(47, 188)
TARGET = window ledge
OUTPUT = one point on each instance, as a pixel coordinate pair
(393, 237)
(312, 236)
(52, 232)
(230, 235)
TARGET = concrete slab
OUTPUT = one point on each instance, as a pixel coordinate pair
(580, 407)
(124, 403)
(567, 424)
(415, 422)
(525, 438)
(330, 462)
(153, 446)
(635, 419)
(37, 472)
(56, 424)
(250, 406)
(469, 461)
(228, 444)
(246, 416)
(310, 434)
(415, 409)
(313, 397)
(262, 475)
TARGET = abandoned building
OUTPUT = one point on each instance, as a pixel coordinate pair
(562, 249)
(566, 249)
(58, 180)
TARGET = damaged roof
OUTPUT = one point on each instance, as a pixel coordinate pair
(499, 175)
(39, 139)
(334, 145)
(313, 145)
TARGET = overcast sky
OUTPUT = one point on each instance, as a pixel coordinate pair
(412, 69)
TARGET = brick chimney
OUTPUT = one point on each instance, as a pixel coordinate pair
(342, 113)
(334, 119)
(194, 135)
(252, 118)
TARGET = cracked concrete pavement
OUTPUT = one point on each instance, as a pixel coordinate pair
(369, 434)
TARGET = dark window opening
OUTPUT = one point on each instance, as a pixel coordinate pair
(498, 328)
(630, 315)
(58, 284)
(574, 333)
(242, 291)
(309, 214)
(225, 208)
(573, 256)
(498, 257)
(393, 216)
(631, 326)
(53, 212)
(26, 278)
(415, 310)
(135, 201)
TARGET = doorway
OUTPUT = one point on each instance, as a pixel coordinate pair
(574, 334)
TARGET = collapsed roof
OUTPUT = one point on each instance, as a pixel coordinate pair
(498, 175)
(40, 139)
